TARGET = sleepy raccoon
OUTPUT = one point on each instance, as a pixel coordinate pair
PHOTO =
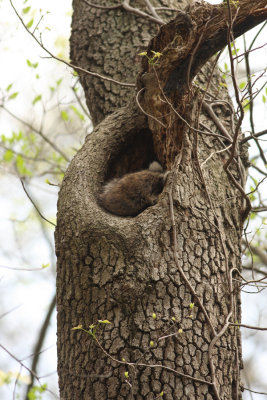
(134, 192)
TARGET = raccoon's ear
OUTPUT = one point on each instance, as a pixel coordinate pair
(155, 167)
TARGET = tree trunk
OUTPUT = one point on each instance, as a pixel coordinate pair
(163, 279)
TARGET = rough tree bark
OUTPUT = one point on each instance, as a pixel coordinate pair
(170, 268)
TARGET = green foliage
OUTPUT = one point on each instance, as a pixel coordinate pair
(29, 24)
(7, 377)
(92, 328)
(8, 156)
(64, 115)
(36, 392)
(9, 87)
(246, 105)
(77, 112)
(21, 167)
(13, 96)
(242, 85)
(234, 3)
(154, 59)
(32, 65)
(36, 99)
(26, 10)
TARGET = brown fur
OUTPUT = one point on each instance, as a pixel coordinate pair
(133, 193)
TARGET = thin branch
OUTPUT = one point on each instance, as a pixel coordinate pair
(40, 133)
(241, 110)
(126, 5)
(254, 391)
(215, 152)
(144, 112)
(142, 14)
(65, 62)
(33, 203)
(22, 269)
(193, 293)
(216, 120)
(152, 10)
(39, 344)
(102, 7)
(253, 136)
(257, 328)
(260, 253)
(79, 101)
(259, 209)
(163, 367)
(257, 35)
(34, 159)
(251, 108)
(22, 365)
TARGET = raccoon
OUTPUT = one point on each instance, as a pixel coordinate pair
(134, 192)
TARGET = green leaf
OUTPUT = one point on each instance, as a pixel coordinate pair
(75, 328)
(64, 115)
(45, 265)
(246, 104)
(3, 138)
(32, 65)
(252, 197)
(9, 87)
(105, 321)
(36, 99)
(58, 82)
(252, 215)
(20, 163)
(26, 10)
(29, 24)
(13, 95)
(77, 112)
(34, 393)
(242, 85)
(8, 156)
(263, 99)
(234, 52)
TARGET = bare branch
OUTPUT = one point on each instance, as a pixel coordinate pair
(39, 344)
(33, 203)
(65, 62)
(102, 7)
(136, 11)
(253, 136)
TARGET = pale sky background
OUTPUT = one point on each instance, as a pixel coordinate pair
(31, 292)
